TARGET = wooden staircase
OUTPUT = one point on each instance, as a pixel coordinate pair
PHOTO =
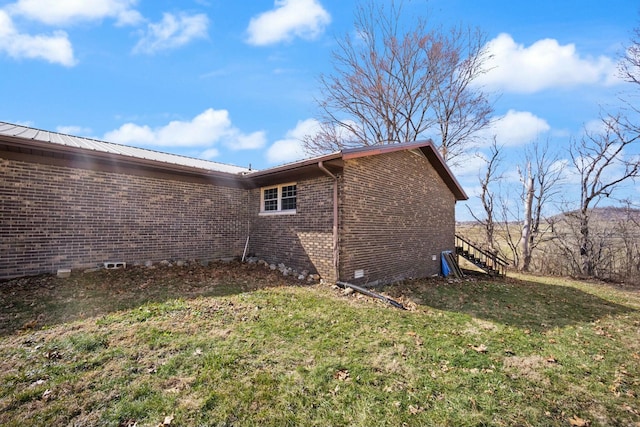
(491, 263)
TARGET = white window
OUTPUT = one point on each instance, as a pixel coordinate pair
(278, 199)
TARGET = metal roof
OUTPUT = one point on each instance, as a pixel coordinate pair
(301, 168)
(9, 129)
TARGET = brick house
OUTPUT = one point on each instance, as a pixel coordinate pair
(368, 215)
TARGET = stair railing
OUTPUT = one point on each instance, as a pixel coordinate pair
(492, 261)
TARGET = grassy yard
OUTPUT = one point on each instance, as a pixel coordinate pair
(237, 345)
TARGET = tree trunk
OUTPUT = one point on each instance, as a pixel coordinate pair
(586, 249)
(525, 240)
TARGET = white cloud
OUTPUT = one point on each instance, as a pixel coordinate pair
(132, 134)
(516, 128)
(204, 130)
(289, 19)
(173, 31)
(543, 65)
(291, 147)
(60, 12)
(468, 167)
(74, 130)
(247, 142)
(595, 126)
(285, 151)
(210, 154)
(55, 48)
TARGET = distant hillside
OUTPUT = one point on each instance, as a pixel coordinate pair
(610, 214)
(606, 214)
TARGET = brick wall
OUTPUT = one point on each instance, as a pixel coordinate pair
(56, 216)
(304, 240)
(396, 213)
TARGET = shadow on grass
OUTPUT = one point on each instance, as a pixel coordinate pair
(41, 301)
(525, 304)
(36, 302)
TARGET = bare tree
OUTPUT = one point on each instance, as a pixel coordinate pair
(540, 176)
(541, 186)
(604, 162)
(627, 230)
(627, 119)
(629, 66)
(460, 110)
(599, 159)
(393, 83)
(510, 226)
(488, 196)
(529, 190)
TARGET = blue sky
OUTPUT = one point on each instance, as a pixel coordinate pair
(235, 81)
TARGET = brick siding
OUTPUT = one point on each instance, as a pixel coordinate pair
(395, 214)
(62, 217)
(304, 240)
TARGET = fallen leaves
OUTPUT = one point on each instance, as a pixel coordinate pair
(479, 348)
(53, 355)
(342, 375)
(413, 410)
(419, 342)
(576, 421)
(167, 421)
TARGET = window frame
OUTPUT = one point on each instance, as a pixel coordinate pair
(279, 197)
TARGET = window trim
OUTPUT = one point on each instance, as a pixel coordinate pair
(279, 210)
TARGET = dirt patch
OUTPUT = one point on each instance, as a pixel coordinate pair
(479, 326)
(529, 367)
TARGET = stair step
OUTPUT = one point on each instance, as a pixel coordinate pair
(478, 262)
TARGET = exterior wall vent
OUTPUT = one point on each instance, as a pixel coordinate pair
(114, 265)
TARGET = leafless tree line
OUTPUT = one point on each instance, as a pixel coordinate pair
(579, 240)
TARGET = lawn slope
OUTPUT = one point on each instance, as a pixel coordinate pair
(236, 345)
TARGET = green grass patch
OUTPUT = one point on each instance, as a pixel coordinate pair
(521, 351)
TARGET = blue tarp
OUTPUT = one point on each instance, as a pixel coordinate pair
(445, 266)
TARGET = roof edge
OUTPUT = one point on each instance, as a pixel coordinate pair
(372, 150)
(295, 165)
(79, 152)
(433, 155)
(59, 142)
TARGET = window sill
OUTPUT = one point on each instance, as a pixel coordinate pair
(276, 213)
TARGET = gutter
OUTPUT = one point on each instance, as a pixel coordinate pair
(336, 251)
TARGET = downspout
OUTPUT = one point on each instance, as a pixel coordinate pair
(248, 214)
(335, 219)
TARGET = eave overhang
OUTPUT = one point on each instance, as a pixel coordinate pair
(17, 146)
(81, 157)
(303, 169)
